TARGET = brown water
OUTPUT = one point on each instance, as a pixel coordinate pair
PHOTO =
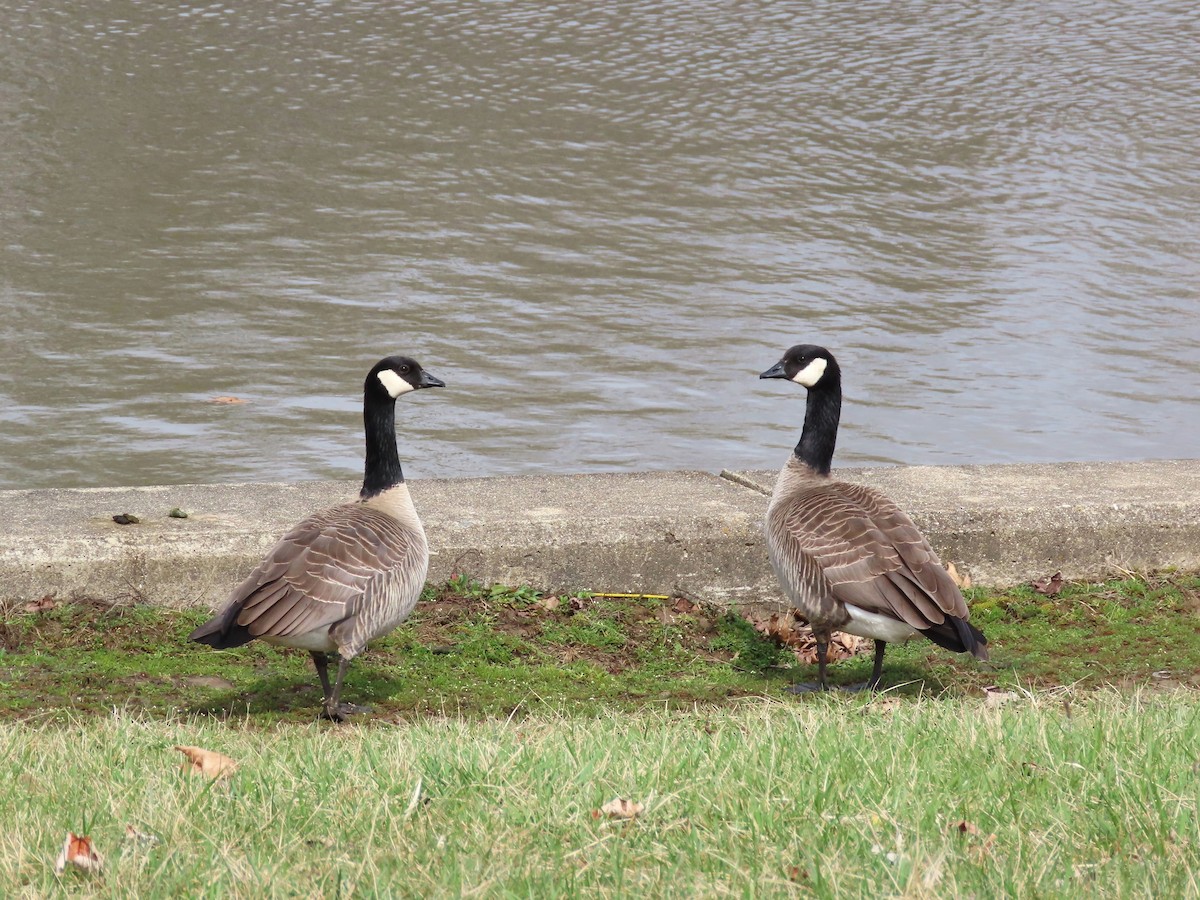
(597, 223)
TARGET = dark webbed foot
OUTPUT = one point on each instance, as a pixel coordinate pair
(811, 687)
(343, 711)
(335, 710)
(861, 687)
(806, 687)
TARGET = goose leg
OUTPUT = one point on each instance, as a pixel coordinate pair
(822, 639)
(321, 661)
(822, 659)
(877, 672)
(334, 710)
(872, 683)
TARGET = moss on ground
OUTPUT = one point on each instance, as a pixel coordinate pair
(477, 650)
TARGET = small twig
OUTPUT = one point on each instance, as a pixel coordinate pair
(414, 801)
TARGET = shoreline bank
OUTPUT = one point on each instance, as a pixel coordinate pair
(655, 532)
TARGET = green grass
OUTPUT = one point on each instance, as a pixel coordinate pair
(1118, 633)
(467, 650)
(837, 796)
(476, 650)
(517, 716)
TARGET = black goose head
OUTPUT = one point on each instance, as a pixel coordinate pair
(805, 364)
(396, 375)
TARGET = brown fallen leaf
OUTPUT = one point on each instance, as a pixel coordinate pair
(684, 606)
(884, 705)
(549, 604)
(37, 606)
(226, 400)
(207, 762)
(979, 845)
(963, 580)
(982, 848)
(993, 698)
(139, 837)
(786, 629)
(1048, 586)
(78, 851)
(622, 809)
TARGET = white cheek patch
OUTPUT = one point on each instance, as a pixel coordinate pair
(393, 383)
(811, 374)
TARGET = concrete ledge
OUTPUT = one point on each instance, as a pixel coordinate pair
(654, 532)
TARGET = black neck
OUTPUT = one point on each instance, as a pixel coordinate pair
(821, 418)
(382, 469)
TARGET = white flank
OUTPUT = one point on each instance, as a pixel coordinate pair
(318, 640)
(873, 625)
(393, 383)
(811, 374)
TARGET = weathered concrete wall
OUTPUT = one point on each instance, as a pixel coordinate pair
(655, 532)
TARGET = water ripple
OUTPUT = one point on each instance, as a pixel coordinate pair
(597, 223)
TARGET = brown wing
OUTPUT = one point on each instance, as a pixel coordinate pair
(870, 554)
(318, 572)
(920, 567)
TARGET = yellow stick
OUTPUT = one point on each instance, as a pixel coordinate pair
(630, 596)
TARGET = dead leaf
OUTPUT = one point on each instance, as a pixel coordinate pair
(983, 848)
(1048, 586)
(622, 809)
(207, 762)
(549, 603)
(963, 581)
(971, 831)
(226, 400)
(78, 851)
(786, 629)
(993, 698)
(684, 606)
(139, 837)
(37, 606)
(795, 873)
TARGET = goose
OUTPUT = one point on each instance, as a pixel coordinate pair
(347, 574)
(848, 558)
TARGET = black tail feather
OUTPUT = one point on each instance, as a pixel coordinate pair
(222, 632)
(960, 636)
